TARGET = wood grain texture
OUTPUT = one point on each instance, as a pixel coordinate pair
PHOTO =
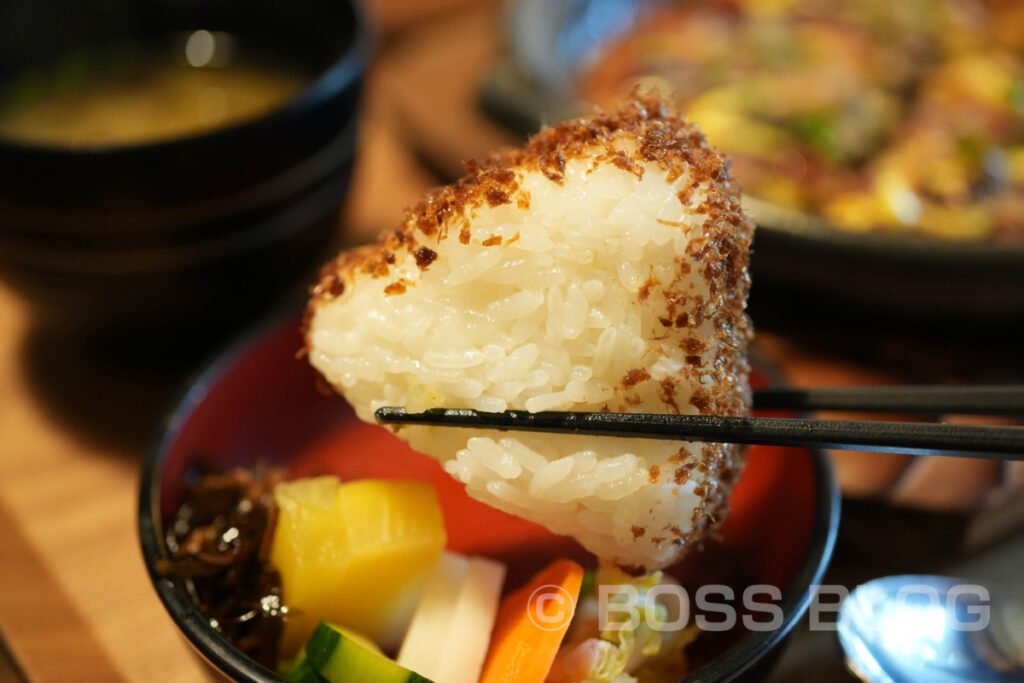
(38, 620)
(75, 602)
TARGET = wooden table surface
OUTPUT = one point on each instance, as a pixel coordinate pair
(75, 603)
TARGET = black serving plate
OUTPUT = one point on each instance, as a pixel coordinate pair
(913, 278)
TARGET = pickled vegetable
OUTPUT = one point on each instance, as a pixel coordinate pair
(355, 554)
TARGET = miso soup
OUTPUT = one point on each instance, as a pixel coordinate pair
(151, 99)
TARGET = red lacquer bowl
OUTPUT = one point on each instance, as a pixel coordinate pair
(258, 401)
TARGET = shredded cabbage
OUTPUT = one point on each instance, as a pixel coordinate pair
(622, 652)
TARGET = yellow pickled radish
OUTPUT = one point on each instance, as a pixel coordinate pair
(355, 554)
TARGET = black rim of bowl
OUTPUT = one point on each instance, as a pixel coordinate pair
(224, 656)
(207, 249)
(213, 646)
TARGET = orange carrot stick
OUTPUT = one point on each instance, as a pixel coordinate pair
(531, 624)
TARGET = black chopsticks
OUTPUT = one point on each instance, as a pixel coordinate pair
(1006, 442)
(929, 399)
(892, 437)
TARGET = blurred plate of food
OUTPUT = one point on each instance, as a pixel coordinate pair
(880, 145)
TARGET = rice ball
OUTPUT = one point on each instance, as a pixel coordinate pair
(601, 268)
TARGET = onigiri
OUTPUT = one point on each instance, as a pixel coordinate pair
(603, 267)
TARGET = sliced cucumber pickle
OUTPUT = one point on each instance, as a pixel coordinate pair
(339, 658)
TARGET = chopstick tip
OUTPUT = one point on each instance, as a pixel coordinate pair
(389, 414)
